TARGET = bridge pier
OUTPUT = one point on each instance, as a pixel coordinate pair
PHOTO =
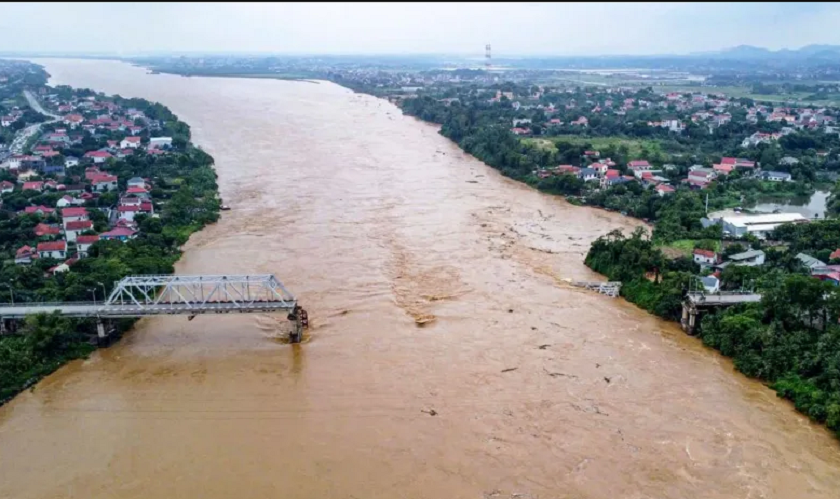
(300, 321)
(689, 318)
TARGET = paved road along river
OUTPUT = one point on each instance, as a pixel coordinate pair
(375, 221)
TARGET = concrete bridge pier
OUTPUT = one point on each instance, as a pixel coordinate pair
(689, 318)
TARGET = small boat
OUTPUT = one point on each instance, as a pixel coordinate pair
(224, 207)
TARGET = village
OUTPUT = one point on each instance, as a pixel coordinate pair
(74, 219)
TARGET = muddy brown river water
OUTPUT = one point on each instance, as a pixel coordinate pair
(374, 220)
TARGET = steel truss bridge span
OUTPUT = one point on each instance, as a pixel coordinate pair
(141, 296)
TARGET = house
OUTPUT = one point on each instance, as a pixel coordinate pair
(834, 255)
(773, 176)
(118, 234)
(809, 261)
(601, 168)
(639, 166)
(98, 156)
(25, 255)
(705, 258)
(45, 230)
(83, 244)
(73, 215)
(136, 182)
(582, 121)
(664, 189)
(131, 143)
(711, 284)
(34, 186)
(104, 183)
(723, 169)
(38, 210)
(6, 187)
(52, 249)
(127, 212)
(73, 120)
(750, 258)
(161, 142)
(587, 174)
(71, 161)
(73, 229)
(66, 201)
(62, 267)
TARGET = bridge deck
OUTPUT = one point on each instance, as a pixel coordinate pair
(722, 299)
(130, 310)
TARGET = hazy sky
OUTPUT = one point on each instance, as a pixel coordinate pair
(366, 28)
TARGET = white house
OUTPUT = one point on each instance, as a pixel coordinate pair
(130, 143)
(588, 174)
(705, 257)
(52, 249)
(104, 183)
(160, 142)
(73, 215)
(772, 176)
(66, 201)
(136, 182)
(71, 161)
(127, 212)
(83, 244)
(73, 229)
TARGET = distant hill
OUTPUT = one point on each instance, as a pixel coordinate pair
(749, 52)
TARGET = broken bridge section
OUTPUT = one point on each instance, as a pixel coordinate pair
(140, 296)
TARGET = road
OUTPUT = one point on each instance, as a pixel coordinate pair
(25, 134)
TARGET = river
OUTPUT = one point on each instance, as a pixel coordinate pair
(374, 220)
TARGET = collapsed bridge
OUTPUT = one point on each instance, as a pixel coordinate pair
(191, 295)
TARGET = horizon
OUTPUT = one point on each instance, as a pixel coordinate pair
(358, 29)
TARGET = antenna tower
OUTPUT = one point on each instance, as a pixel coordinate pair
(487, 57)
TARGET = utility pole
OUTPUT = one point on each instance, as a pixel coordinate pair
(487, 57)
(707, 203)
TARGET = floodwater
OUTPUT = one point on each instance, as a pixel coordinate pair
(812, 206)
(373, 220)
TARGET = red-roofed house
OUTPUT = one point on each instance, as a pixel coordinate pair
(104, 182)
(39, 210)
(723, 169)
(34, 186)
(83, 244)
(138, 192)
(73, 215)
(73, 120)
(6, 187)
(705, 257)
(119, 234)
(98, 156)
(664, 189)
(42, 230)
(834, 254)
(130, 143)
(25, 255)
(73, 229)
(52, 249)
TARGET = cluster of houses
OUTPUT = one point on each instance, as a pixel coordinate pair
(72, 237)
(711, 260)
(11, 118)
(72, 233)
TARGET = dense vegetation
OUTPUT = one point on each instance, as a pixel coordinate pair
(790, 340)
(184, 194)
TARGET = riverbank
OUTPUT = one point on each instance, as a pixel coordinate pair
(181, 199)
(658, 285)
